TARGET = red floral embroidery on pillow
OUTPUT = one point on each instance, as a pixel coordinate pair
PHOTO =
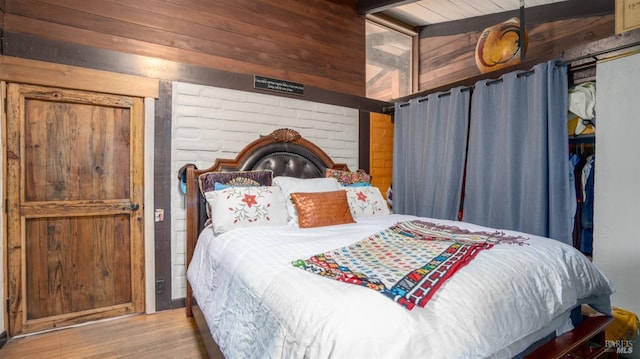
(249, 199)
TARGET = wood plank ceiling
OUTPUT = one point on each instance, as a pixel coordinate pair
(429, 12)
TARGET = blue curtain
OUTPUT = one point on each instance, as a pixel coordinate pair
(430, 136)
(518, 166)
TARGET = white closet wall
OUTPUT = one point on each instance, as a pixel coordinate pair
(616, 243)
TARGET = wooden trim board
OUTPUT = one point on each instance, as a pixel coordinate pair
(13, 69)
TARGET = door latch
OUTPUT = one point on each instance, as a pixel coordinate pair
(132, 207)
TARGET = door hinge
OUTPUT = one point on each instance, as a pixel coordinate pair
(8, 305)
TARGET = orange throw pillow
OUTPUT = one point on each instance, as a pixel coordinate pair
(322, 208)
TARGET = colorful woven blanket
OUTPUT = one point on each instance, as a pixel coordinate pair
(406, 262)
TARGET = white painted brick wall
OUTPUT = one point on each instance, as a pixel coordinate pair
(210, 122)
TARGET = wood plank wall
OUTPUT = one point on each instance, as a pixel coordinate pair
(2, 6)
(318, 43)
(450, 58)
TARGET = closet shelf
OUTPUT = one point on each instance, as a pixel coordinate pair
(576, 139)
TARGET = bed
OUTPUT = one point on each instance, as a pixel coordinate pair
(255, 291)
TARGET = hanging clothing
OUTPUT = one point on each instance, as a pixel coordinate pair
(586, 239)
(574, 159)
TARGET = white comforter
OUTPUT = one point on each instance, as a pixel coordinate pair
(259, 306)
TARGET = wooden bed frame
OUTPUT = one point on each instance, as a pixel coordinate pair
(286, 152)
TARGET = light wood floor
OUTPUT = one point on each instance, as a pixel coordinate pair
(165, 334)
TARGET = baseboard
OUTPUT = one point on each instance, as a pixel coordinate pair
(3, 338)
(178, 303)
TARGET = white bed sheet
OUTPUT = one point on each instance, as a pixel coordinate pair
(258, 305)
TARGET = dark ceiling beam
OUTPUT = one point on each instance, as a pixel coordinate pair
(366, 7)
(570, 9)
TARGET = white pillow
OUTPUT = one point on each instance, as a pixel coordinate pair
(366, 201)
(290, 185)
(235, 207)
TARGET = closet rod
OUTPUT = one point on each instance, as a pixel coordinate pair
(598, 53)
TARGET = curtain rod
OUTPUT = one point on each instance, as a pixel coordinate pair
(598, 53)
(391, 109)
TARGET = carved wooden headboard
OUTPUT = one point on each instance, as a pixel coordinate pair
(284, 151)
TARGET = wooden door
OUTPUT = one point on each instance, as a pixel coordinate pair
(74, 218)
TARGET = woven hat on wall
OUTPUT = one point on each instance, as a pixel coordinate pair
(499, 46)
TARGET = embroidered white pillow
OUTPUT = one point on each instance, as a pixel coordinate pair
(235, 207)
(290, 185)
(366, 201)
